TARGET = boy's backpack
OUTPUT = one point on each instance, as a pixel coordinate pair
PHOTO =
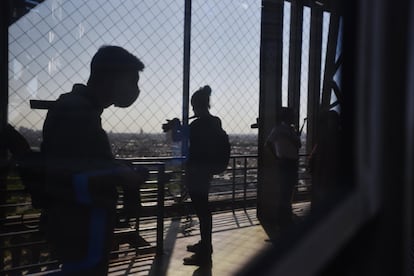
(220, 152)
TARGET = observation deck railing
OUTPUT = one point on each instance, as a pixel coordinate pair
(24, 249)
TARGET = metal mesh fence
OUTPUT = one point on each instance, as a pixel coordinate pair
(225, 42)
(50, 49)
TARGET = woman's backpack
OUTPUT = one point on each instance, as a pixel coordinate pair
(219, 152)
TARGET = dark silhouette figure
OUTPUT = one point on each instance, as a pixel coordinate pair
(15, 143)
(284, 143)
(16, 147)
(199, 173)
(81, 172)
(18, 150)
(324, 160)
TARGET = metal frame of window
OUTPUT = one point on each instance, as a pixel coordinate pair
(4, 79)
(369, 231)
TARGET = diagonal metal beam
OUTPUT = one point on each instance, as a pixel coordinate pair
(338, 62)
(337, 91)
(331, 66)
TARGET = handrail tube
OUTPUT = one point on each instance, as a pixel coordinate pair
(243, 190)
(160, 210)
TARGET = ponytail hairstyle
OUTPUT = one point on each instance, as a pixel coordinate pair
(201, 98)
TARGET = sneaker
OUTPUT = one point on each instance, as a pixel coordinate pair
(203, 260)
(138, 241)
(195, 248)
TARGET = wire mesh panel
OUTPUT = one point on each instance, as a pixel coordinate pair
(51, 46)
(50, 49)
(225, 48)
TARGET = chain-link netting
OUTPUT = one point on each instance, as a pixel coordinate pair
(225, 43)
(50, 49)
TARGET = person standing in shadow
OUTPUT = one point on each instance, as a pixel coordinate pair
(284, 143)
(81, 171)
(199, 173)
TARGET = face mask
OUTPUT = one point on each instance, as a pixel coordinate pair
(126, 90)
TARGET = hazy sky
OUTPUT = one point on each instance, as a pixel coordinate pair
(50, 49)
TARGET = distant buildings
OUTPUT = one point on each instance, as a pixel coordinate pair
(150, 144)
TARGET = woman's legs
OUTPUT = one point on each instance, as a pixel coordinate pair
(203, 212)
(198, 183)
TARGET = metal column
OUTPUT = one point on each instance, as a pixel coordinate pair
(314, 81)
(4, 79)
(295, 57)
(270, 103)
(186, 74)
(4, 88)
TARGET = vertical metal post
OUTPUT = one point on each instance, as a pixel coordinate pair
(4, 100)
(295, 58)
(234, 182)
(186, 74)
(4, 63)
(314, 81)
(271, 42)
(245, 182)
(160, 209)
(409, 146)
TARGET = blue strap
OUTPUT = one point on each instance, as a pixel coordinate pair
(80, 183)
(97, 229)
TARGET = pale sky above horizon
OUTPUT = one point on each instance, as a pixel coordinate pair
(50, 49)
